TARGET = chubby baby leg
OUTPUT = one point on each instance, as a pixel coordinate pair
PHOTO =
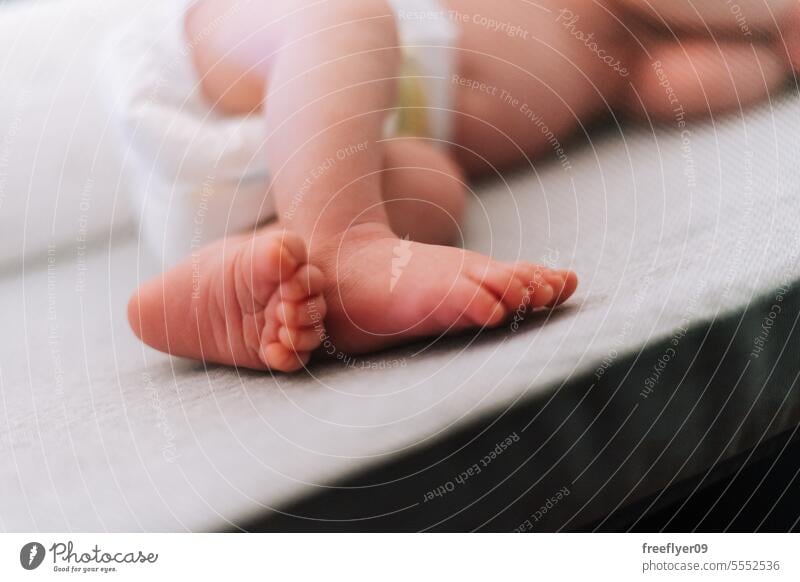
(331, 88)
(250, 301)
(701, 60)
(424, 192)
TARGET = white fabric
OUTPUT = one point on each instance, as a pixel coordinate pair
(60, 174)
(201, 175)
(428, 35)
(198, 175)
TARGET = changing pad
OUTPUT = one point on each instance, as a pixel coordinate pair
(678, 351)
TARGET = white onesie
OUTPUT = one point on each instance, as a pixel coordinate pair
(200, 175)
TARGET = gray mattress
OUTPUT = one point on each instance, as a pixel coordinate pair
(678, 352)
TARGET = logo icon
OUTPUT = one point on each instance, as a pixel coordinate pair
(31, 555)
(402, 257)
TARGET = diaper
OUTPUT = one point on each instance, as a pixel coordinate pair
(199, 175)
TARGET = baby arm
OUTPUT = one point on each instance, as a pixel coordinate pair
(328, 96)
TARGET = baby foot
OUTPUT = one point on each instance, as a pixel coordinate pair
(382, 291)
(252, 302)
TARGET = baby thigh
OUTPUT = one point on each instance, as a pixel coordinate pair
(526, 81)
(234, 46)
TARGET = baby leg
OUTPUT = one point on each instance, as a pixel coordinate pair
(423, 191)
(256, 302)
(706, 60)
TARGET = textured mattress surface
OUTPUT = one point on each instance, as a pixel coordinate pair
(671, 230)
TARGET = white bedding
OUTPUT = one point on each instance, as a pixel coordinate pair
(60, 171)
(99, 433)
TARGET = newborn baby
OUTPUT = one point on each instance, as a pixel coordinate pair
(363, 118)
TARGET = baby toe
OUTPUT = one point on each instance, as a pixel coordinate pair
(295, 247)
(307, 281)
(501, 281)
(531, 274)
(476, 305)
(299, 338)
(271, 259)
(568, 288)
(257, 267)
(304, 314)
(537, 280)
(542, 296)
(279, 358)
